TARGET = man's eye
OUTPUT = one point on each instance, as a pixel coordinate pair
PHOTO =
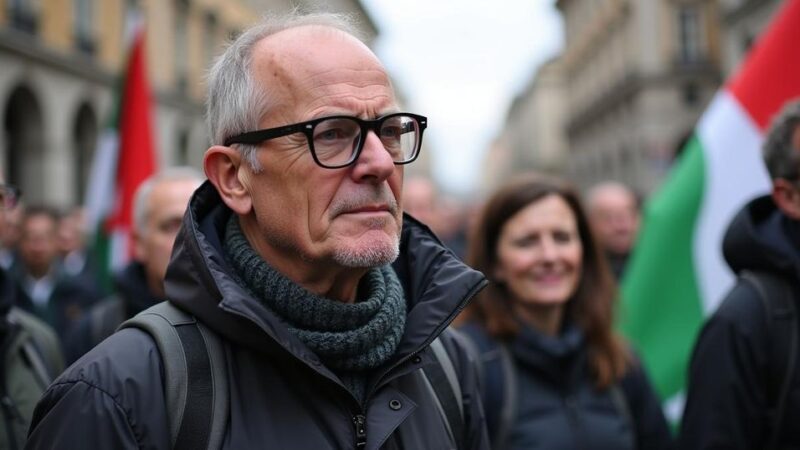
(329, 135)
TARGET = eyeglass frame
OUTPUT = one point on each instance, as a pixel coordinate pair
(258, 137)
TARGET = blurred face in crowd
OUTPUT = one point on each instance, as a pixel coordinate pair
(786, 193)
(71, 232)
(153, 244)
(12, 224)
(540, 254)
(419, 200)
(614, 216)
(38, 245)
(323, 228)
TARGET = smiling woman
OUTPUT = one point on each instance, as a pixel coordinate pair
(545, 323)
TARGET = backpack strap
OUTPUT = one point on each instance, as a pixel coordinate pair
(776, 295)
(195, 375)
(39, 345)
(508, 411)
(442, 379)
(498, 382)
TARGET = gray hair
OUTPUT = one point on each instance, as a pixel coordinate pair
(781, 158)
(141, 210)
(236, 102)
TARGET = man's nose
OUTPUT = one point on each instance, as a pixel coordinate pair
(374, 162)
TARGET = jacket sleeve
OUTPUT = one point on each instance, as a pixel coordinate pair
(476, 436)
(111, 398)
(79, 415)
(652, 431)
(726, 404)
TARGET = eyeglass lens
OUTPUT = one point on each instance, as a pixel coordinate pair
(337, 139)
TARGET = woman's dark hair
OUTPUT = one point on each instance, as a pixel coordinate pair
(590, 307)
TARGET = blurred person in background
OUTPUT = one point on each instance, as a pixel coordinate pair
(76, 259)
(30, 357)
(158, 208)
(441, 213)
(419, 200)
(744, 384)
(10, 237)
(554, 373)
(614, 214)
(43, 288)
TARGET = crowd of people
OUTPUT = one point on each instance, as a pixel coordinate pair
(300, 294)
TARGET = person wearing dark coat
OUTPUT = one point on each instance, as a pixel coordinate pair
(296, 254)
(42, 286)
(555, 375)
(733, 394)
(158, 207)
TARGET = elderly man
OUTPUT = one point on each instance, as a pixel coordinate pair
(158, 207)
(289, 256)
(614, 213)
(744, 383)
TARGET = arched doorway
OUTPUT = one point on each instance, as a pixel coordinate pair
(24, 144)
(84, 138)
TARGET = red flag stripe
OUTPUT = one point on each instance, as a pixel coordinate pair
(770, 74)
(137, 156)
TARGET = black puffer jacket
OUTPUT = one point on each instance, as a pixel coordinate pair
(727, 404)
(281, 395)
(557, 404)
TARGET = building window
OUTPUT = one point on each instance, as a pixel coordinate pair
(181, 45)
(210, 38)
(23, 15)
(691, 94)
(83, 20)
(689, 34)
(85, 132)
(182, 153)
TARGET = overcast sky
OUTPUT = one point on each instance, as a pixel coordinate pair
(461, 62)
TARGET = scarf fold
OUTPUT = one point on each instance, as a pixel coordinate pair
(348, 338)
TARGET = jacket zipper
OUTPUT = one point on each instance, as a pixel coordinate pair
(360, 424)
(439, 330)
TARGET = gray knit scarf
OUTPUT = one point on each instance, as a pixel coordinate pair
(349, 338)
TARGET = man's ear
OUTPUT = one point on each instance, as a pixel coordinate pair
(787, 196)
(223, 166)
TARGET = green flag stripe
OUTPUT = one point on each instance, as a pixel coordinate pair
(661, 308)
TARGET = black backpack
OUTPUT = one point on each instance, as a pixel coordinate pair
(775, 293)
(196, 383)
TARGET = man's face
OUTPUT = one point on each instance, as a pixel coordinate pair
(153, 245)
(307, 220)
(70, 232)
(38, 245)
(615, 220)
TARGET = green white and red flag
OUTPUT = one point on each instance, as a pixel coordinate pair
(677, 275)
(124, 158)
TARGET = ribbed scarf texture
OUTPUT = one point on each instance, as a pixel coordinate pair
(350, 339)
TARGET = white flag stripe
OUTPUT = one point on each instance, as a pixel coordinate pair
(101, 188)
(735, 174)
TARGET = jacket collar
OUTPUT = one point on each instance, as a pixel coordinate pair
(436, 283)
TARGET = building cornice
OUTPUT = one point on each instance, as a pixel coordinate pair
(29, 48)
(630, 85)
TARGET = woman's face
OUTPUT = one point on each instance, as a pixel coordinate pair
(540, 254)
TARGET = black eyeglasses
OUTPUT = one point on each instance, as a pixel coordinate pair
(337, 141)
(8, 196)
